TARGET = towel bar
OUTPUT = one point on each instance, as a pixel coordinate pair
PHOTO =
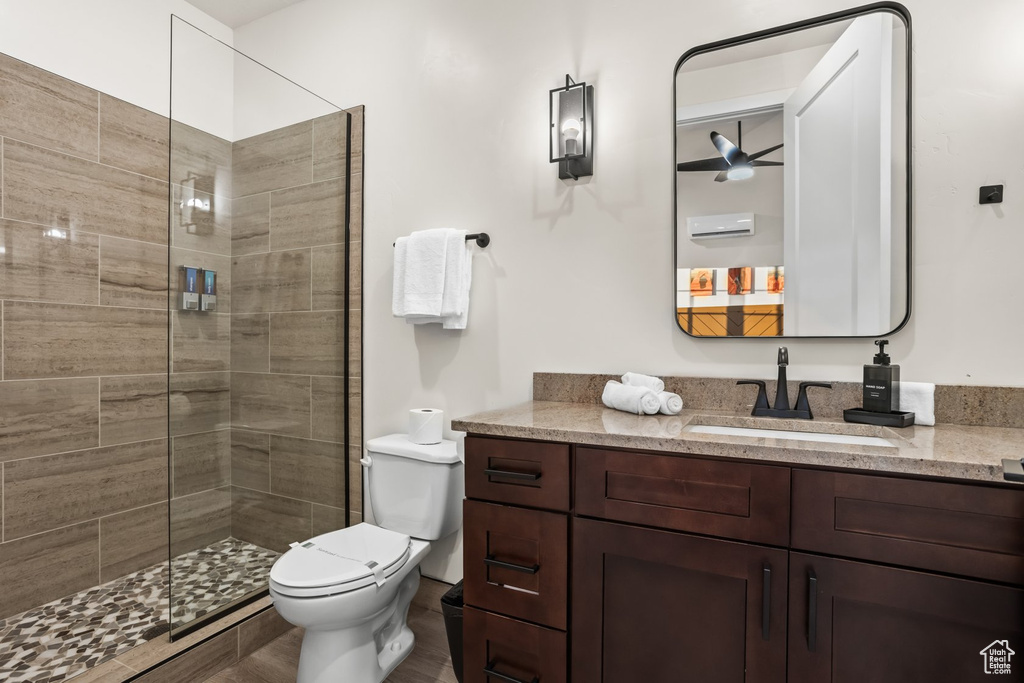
(482, 239)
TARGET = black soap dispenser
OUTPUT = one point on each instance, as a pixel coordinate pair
(882, 383)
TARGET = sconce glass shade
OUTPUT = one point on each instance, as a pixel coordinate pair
(572, 133)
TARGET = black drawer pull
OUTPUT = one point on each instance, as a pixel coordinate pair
(491, 562)
(525, 476)
(812, 610)
(489, 670)
(766, 603)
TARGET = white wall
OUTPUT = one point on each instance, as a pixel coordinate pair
(579, 277)
(120, 47)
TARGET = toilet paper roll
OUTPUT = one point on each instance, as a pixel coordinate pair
(426, 425)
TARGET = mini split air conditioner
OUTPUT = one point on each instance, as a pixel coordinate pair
(723, 225)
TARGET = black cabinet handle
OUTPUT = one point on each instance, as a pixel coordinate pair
(525, 476)
(766, 603)
(489, 670)
(491, 562)
(812, 610)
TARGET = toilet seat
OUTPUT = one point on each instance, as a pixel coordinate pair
(340, 561)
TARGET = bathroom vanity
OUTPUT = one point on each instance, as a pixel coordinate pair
(657, 553)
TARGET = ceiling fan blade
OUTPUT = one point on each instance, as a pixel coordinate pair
(716, 164)
(725, 147)
(758, 155)
(766, 163)
(722, 177)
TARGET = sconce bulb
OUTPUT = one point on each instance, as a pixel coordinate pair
(571, 133)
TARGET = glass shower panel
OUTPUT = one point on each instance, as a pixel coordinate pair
(258, 373)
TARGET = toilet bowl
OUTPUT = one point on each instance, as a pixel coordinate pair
(350, 589)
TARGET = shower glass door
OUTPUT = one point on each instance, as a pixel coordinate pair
(259, 322)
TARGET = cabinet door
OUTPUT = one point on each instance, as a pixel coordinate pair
(663, 607)
(851, 622)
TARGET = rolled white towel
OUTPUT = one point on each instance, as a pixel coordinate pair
(636, 400)
(635, 379)
(671, 403)
(918, 398)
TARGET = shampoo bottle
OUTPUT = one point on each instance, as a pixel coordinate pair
(882, 383)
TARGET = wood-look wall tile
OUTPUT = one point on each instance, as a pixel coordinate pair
(250, 343)
(329, 277)
(133, 540)
(41, 417)
(355, 274)
(52, 491)
(256, 632)
(278, 281)
(200, 462)
(221, 264)
(308, 470)
(327, 519)
(199, 520)
(203, 156)
(48, 264)
(328, 408)
(308, 343)
(133, 408)
(199, 402)
(355, 479)
(269, 521)
(355, 411)
(38, 569)
(250, 224)
(199, 663)
(50, 188)
(133, 138)
(45, 109)
(250, 460)
(207, 230)
(200, 342)
(358, 116)
(308, 215)
(279, 404)
(355, 346)
(57, 340)
(132, 273)
(355, 222)
(330, 145)
(273, 160)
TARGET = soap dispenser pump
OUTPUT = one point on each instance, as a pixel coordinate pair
(882, 383)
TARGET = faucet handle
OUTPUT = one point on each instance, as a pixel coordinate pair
(762, 393)
(802, 404)
(783, 356)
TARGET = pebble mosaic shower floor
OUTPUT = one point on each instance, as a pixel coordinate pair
(64, 638)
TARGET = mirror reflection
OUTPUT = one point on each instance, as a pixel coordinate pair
(792, 182)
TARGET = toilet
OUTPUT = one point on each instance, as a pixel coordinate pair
(350, 589)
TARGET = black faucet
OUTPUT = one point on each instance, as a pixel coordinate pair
(802, 411)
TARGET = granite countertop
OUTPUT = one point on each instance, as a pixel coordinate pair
(955, 451)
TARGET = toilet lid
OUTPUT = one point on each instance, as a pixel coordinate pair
(341, 560)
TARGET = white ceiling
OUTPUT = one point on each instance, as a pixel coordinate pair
(235, 13)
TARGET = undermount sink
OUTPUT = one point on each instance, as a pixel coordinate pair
(819, 437)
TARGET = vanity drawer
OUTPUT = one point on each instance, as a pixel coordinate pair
(731, 500)
(516, 562)
(512, 650)
(974, 531)
(530, 473)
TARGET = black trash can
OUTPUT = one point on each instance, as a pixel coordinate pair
(451, 608)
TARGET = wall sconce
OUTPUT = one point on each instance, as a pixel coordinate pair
(191, 204)
(572, 129)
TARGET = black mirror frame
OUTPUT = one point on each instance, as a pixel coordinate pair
(893, 8)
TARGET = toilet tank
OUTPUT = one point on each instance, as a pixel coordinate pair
(415, 489)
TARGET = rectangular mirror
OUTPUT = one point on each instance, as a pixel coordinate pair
(792, 211)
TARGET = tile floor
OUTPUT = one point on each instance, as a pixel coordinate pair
(429, 662)
(63, 638)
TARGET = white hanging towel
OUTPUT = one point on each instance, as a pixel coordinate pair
(433, 273)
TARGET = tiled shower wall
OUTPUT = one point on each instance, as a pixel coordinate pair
(83, 259)
(288, 452)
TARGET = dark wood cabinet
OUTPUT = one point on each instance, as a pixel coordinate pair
(663, 607)
(501, 649)
(854, 622)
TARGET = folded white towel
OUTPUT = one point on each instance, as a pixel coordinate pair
(671, 403)
(636, 400)
(433, 274)
(918, 398)
(635, 379)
